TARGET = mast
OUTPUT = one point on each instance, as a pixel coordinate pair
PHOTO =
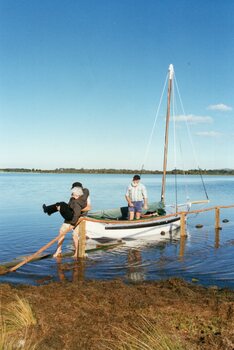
(170, 78)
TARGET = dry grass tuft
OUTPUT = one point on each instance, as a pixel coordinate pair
(15, 324)
(18, 315)
(144, 336)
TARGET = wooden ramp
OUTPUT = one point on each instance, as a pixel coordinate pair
(104, 244)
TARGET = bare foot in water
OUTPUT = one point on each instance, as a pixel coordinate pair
(57, 253)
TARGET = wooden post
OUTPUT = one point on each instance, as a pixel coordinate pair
(182, 225)
(78, 273)
(182, 246)
(217, 218)
(82, 239)
(217, 238)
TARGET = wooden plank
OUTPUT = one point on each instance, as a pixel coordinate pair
(20, 259)
(16, 261)
(36, 254)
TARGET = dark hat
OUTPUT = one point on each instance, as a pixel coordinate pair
(136, 177)
(76, 184)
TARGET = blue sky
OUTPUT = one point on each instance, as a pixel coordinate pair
(80, 82)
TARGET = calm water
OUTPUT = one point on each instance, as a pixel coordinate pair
(204, 256)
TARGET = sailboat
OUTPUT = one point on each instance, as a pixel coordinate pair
(114, 223)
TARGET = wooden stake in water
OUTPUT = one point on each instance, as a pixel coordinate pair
(217, 218)
(182, 225)
(82, 239)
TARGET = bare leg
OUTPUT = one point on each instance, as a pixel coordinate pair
(131, 215)
(138, 215)
(65, 228)
(59, 247)
(76, 244)
(76, 233)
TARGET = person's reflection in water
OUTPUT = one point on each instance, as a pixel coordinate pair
(78, 272)
(61, 274)
(77, 268)
(135, 270)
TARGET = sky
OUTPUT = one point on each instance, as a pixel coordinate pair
(81, 81)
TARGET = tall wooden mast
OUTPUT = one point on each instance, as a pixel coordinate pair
(170, 78)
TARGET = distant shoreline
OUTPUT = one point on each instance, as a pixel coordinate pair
(120, 171)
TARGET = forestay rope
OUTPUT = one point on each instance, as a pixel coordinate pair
(175, 109)
(152, 130)
(175, 150)
(191, 140)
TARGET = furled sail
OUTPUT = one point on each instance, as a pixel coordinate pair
(122, 212)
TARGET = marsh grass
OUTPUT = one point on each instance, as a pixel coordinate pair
(144, 336)
(16, 323)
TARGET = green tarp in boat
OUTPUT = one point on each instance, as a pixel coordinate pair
(122, 212)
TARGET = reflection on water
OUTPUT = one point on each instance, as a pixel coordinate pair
(205, 255)
(135, 270)
(202, 256)
(182, 247)
(184, 257)
(75, 269)
(217, 238)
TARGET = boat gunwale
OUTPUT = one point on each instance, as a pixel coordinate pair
(143, 224)
(128, 222)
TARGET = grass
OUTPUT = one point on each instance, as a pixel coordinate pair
(16, 322)
(99, 315)
(144, 336)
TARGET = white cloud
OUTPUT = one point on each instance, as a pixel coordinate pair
(194, 119)
(220, 107)
(209, 133)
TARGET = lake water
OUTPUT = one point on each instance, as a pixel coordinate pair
(206, 257)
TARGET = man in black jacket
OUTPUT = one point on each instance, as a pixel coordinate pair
(71, 212)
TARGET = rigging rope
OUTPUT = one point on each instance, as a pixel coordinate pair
(152, 130)
(204, 187)
(185, 177)
(178, 139)
(190, 137)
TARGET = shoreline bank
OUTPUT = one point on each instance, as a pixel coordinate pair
(94, 314)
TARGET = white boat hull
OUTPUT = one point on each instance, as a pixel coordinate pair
(150, 229)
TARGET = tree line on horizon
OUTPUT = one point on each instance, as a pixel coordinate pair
(121, 171)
